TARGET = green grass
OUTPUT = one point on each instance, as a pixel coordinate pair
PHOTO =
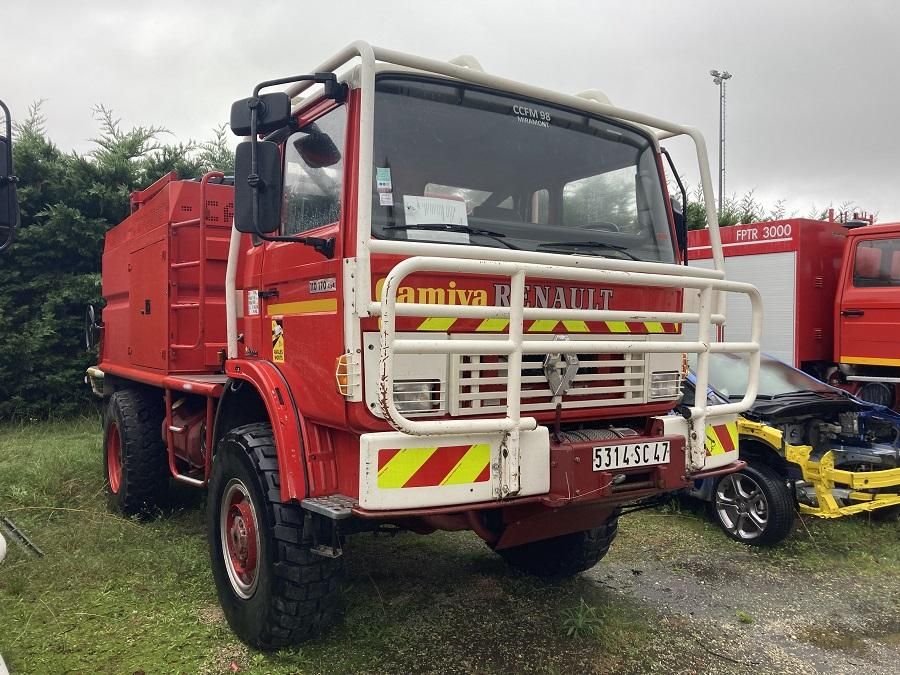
(116, 596)
(857, 544)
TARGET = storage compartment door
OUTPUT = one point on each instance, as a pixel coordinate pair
(774, 274)
(148, 306)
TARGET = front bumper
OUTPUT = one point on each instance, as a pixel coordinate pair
(432, 474)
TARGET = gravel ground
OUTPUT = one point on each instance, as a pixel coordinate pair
(761, 613)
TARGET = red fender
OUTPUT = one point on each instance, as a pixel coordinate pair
(286, 422)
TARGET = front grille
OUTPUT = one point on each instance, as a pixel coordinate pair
(479, 385)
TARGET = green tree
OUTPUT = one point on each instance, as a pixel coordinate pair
(68, 202)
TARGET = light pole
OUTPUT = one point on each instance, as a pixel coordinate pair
(719, 79)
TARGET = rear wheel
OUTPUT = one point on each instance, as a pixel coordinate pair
(754, 505)
(887, 514)
(563, 556)
(134, 455)
(273, 590)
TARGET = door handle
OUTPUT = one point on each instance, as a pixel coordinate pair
(852, 312)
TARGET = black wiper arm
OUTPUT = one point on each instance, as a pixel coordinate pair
(801, 391)
(589, 244)
(453, 227)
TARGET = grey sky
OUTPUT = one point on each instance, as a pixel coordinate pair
(811, 108)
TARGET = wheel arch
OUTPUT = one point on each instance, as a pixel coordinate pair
(752, 450)
(755, 450)
(257, 392)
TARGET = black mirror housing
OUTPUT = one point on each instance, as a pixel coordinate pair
(317, 149)
(273, 110)
(267, 193)
(9, 204)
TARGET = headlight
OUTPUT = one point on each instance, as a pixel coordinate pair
(666, 384)
(417, 396)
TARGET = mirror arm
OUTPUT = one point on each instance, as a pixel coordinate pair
(323, 246)
(333, 89)
(684, 202)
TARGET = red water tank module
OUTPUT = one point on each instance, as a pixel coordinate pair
(164, 278)
(795, 264)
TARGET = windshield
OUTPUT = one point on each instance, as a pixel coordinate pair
(459, 164)
(728, 375)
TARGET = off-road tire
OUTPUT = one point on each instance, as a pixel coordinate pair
(564, 556)
(297, 593)
(134, 420)
(780, 507)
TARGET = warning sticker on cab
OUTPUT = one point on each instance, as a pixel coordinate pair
(277, 341)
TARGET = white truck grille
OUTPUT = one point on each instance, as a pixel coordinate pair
(479, 385)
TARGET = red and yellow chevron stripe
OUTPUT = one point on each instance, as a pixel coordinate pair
(444, 324)
(721, 438)
(431, 467)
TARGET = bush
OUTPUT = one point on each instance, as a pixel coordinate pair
(68, 202)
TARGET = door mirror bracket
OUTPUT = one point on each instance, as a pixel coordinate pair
(258, 163)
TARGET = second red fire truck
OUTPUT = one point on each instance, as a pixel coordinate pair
(832, 297)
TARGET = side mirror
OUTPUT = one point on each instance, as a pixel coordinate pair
(9, 204)
(680, 224)
(92, 328)
(261, 192)
(273, 112)
(317, 148)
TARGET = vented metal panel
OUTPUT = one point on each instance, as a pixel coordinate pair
(774, 274)
(479, 385)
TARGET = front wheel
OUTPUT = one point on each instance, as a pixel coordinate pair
(273, 590)
(564, 556)
(754, 506)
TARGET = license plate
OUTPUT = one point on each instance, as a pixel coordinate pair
(631, 455)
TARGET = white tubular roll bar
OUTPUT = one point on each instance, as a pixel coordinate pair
(514, 346)
(362, 60)
(369, 56)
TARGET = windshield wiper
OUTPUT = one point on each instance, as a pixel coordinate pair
(589, 244)
(453, 227)
(801, 391)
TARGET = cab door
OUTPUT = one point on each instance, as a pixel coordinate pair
(301, 286)
(869, 306)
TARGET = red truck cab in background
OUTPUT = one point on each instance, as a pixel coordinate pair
(832, 297)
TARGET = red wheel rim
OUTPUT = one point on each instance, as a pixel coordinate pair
(239, 534)
(114, 458)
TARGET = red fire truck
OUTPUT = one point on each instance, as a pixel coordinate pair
(447, 301)
(832, 297)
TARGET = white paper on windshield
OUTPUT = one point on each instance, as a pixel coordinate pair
(435, 211)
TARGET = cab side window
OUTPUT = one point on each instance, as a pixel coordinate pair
(877, 263)
(314, 173)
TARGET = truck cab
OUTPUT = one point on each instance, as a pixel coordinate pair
(868, 315)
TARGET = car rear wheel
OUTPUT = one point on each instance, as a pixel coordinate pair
(754, 505)
(887, 514)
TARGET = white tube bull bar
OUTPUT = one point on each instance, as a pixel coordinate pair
(630, 273)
